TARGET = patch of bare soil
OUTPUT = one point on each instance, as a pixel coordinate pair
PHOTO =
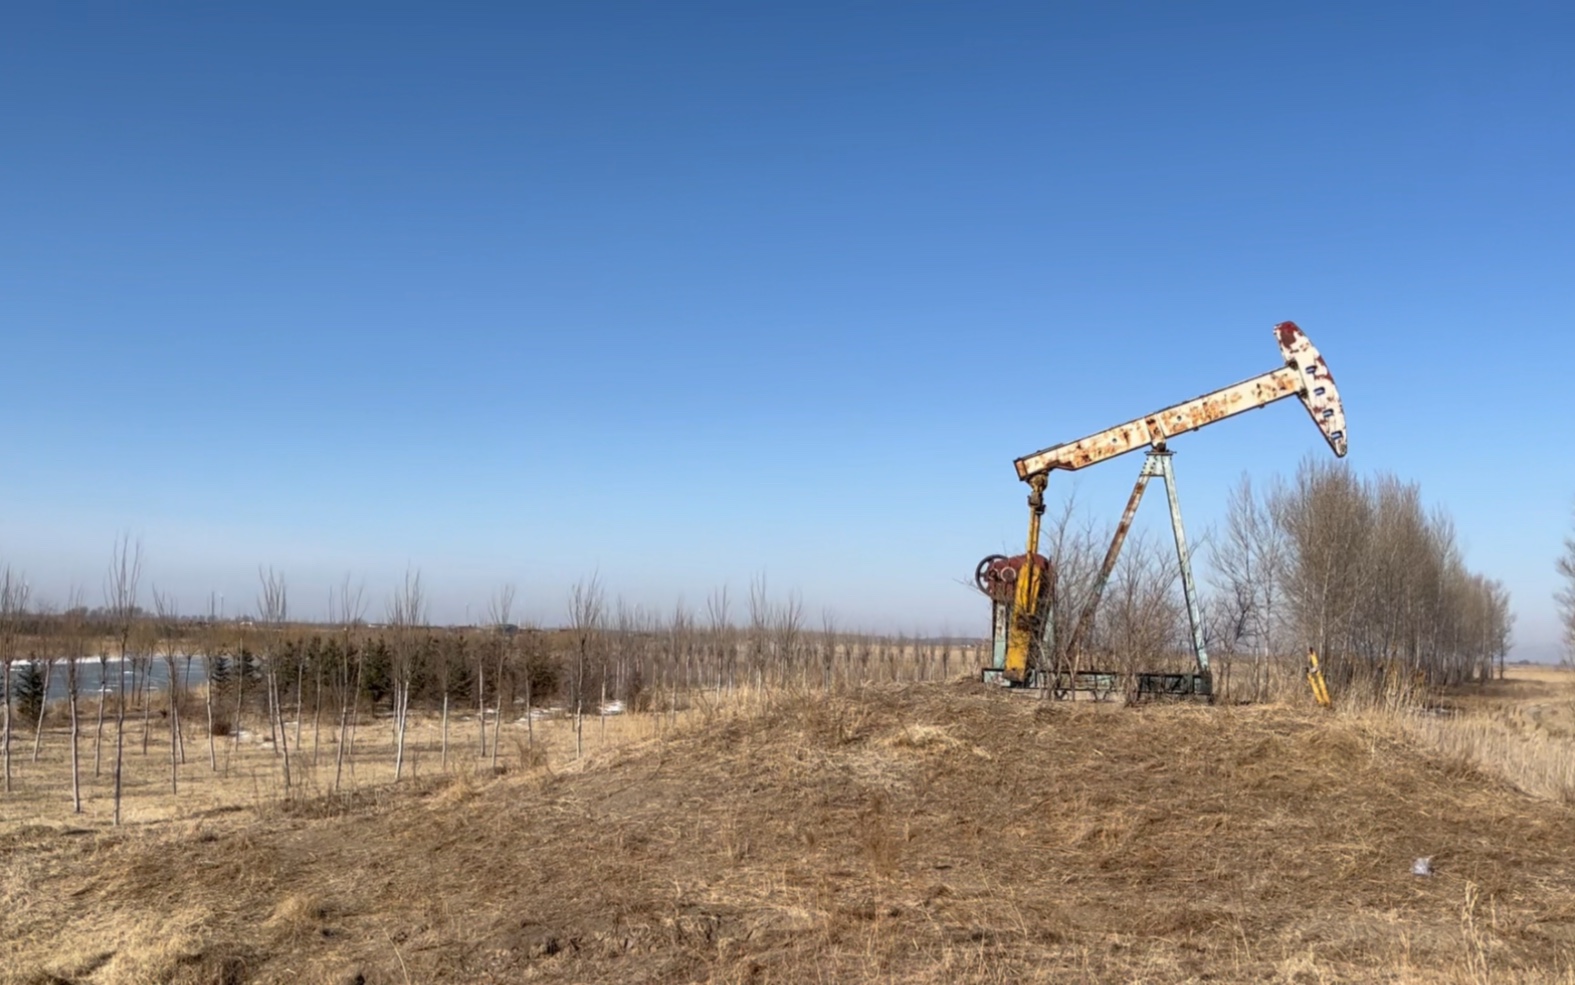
(935, 833)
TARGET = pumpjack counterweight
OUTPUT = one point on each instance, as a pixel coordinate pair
(1023, 624)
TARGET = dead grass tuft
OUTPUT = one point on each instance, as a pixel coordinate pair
(458, 789)
(300, 914)
(923, 737)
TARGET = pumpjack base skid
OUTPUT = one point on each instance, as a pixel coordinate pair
(1104, 685)
(1160, 687)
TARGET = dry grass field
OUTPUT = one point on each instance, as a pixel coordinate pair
(904, 833)
(249, 770)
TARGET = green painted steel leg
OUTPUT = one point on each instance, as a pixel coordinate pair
(1162, 459)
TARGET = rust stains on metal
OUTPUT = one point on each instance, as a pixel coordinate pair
(996, 576)
(1288, 332)
(1305, 374)
(1315, 384)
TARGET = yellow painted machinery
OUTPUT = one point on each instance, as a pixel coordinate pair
(1320, 687)
(1022, 591)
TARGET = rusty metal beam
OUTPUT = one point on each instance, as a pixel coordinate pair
(1304, 375)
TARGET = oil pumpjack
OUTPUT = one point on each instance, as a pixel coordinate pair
(1022, 592)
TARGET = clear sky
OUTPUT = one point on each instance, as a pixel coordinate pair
(678, 292)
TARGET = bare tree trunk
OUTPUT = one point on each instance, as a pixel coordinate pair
(401, 703)
(120, 730)
(98, 734)
(445, 731)
(76, 767)
(240, 694)
(207, 700)
(270, 684)
(481, 704)
(38, 730)
(343, 744)
(530, 724)
(284, 733)
(351, 605)
(185, 682)
(317, 716)
(13, 604)
(347, 747)
(497, 717)
(146, 665)
(500, 613)
(349, 695)
(5, 729)
(174, 729)
(406, 613)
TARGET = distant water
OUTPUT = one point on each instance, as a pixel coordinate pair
(88, 680)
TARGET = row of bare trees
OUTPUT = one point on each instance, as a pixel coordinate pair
(303, 690)
(1358, 569)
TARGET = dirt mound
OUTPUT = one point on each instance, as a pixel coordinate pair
(924, 834)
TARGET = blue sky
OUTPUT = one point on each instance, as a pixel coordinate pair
(679, 293)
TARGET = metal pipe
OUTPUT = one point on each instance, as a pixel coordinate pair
(1020, 639)
(1188, 588)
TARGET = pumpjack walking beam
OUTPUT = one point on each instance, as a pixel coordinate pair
(1304, 375)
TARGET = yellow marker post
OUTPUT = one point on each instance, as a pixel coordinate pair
(1320, 687)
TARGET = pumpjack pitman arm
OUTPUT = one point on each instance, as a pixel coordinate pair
(1304, 375)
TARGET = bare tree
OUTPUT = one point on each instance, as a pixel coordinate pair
(448, 654)
(1379, 585)
(1566, 598)
(587, 611)
(1074, 548)
(1327, 519)
(719, 621)
(1247, 570)
(169, 632)
(787, 631)
(120, 598)
(212, 646)
(49, 655)
(73, 645)
(500, 614)
(13, 606)
(407, 615)
(1141, 617)
(759, 636)
(352, 606)
(273, 604)
(828, 648)
(680, 637)
(506, 697)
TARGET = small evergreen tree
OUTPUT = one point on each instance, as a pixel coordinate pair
(247, 666)
(29, 691)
